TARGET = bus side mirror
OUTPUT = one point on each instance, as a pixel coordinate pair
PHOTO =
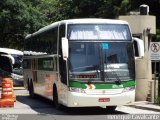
(65, 48)
(139, 47)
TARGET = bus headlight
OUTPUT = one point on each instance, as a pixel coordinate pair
(127, 89)
(74, 89)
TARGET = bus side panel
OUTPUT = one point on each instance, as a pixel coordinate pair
(62, 92)
(27, 77)
(44, 86)
(27, 73)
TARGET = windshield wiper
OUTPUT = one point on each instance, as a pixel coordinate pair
(118, 81)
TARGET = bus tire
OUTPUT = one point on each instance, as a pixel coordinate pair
(31, 89)
(28, 84)
(111, 108)
(55, 99)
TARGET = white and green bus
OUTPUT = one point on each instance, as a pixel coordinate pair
(82, 63)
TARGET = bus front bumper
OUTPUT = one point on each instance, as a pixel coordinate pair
(85, 100)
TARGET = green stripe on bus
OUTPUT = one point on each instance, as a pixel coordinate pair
(102, 86)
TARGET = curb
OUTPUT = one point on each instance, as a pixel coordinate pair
(21, 94)
(18, 88)
(145, 108)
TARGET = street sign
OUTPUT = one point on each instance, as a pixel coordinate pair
(154, 50)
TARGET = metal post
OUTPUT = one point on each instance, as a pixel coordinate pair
(159, 80)
(155, 66)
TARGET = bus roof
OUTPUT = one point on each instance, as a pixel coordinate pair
(11, 51)
(94, 20)
(79, 21)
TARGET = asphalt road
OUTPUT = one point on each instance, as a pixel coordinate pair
(26, 108)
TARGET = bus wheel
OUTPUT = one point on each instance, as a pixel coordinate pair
(31, 90)
(111, 108)
(28, 84)
(55, 99)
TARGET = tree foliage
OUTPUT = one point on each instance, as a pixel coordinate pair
(20, 17)
(17, 19)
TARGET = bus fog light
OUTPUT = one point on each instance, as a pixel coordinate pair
(75, 103)
(73, 89)
(127, 89)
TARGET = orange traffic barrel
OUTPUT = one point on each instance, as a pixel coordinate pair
(7, 89)
(6, 103)
(7, 86)
(7, 96)
(7, 79)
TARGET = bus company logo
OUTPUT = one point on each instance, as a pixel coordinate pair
(90, 86)
(117, 86)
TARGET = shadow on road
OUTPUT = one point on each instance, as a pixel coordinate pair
(45, 106)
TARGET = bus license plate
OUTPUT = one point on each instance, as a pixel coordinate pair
(104, 99)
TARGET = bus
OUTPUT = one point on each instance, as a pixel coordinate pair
(15, 69)
(82, 63)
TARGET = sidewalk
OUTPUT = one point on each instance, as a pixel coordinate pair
(146, 106)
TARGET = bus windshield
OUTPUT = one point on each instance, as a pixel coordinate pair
(98, 32)
(88, 60)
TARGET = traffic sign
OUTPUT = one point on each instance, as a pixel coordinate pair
(154, 50)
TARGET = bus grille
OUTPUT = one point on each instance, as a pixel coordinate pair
(103, 91)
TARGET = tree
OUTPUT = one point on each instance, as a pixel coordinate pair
(90, 8)
(17, 18)
(10, 16)
(20, 17)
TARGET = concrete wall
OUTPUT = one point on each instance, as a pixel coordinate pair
(142, 26)
(140, 22)
(142, 77)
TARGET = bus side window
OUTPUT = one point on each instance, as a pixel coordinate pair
(62, 63)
